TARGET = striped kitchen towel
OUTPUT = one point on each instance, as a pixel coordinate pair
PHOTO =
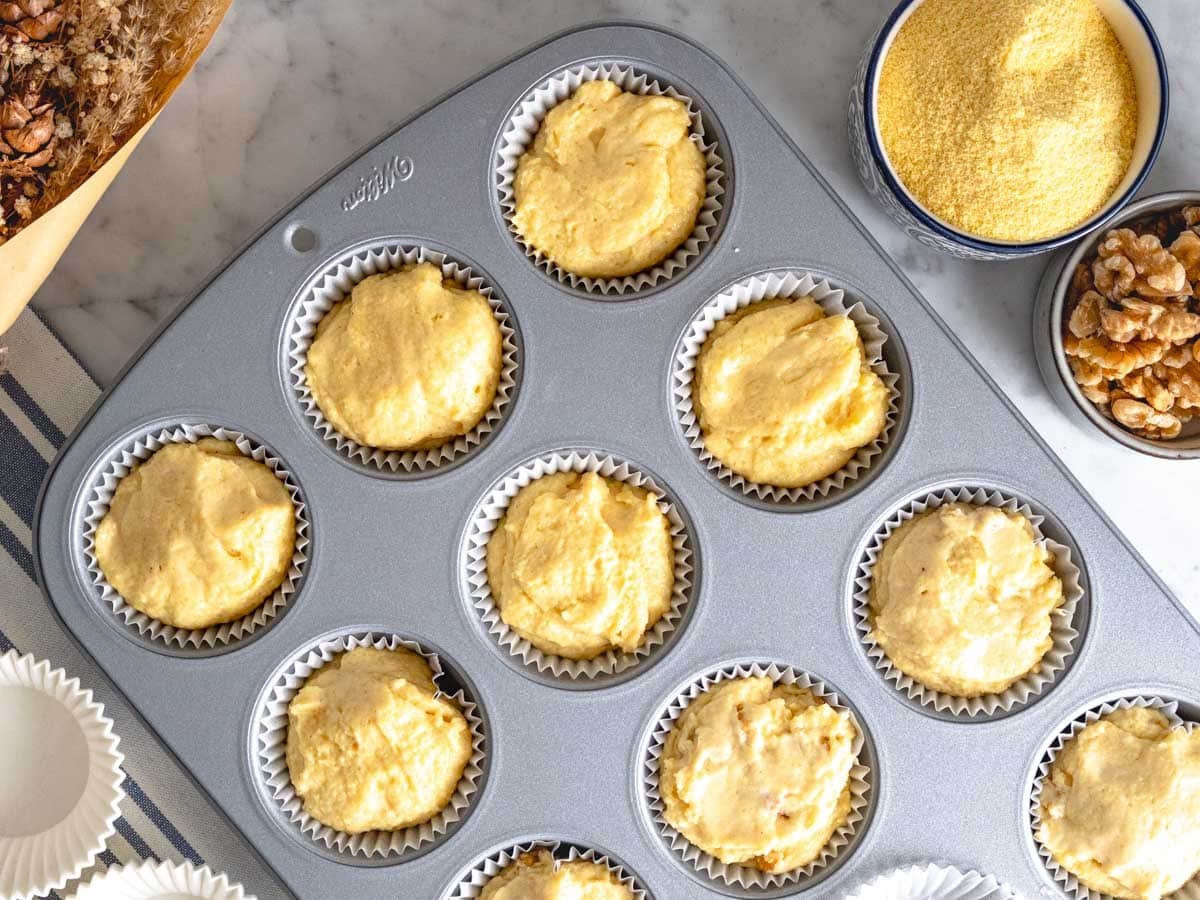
(43, 394)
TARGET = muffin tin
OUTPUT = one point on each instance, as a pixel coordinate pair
(773, 582)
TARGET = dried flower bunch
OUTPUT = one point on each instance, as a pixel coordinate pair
(77, 79)
(1132, 321)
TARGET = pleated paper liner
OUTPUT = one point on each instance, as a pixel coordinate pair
(479, 594)
(933, 882)
(1063, 879)
(334, 286)
(152, 880)
(470, 883)
(269, 749)
(791, 284)
(124, 459)
(84, 755)
(749, 878)
(1063, 632)
(521, 129)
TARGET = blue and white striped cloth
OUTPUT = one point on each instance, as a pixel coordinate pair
(43, 394)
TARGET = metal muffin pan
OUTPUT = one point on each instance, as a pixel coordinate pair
(774, 583)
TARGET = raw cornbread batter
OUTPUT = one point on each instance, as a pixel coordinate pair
(539, 876)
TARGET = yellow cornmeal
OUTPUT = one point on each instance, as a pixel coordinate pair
(1012, 120)
(1121, 806)
(961, 599)
(197, 535)
(409, 361)
(612, 184)
(581, 564)
(539, 876)
(784, 394)
(371, 745)
(758, 774)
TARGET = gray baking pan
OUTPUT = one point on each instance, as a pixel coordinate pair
(773, 582)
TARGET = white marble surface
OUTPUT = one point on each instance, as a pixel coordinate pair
(291, 87)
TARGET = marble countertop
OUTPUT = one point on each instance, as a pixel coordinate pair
(289, 88)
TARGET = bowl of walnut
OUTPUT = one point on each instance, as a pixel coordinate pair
(1117, 328)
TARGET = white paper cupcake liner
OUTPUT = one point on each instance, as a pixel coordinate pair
(155, 881)
(791, 284)
(270, 753)
(933, 882)
(129, 456)
(470, 884)
(748, 877)
(35, 864)
(1063, 633)
(336, 285)
(1065, 880)
(521, 129)
(479, 593)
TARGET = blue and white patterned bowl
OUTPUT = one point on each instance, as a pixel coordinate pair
(1149, 66)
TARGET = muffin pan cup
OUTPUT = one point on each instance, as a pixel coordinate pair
(1066, 882)
(933, 882)
(121, 461)
(269, 746)
(335, 285)
(522, 128)
(575, 672)
(1064, 621)
(794, 285)
(385, 554)
(752, 881)
(471, 883)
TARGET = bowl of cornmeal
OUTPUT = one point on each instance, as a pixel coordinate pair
(994, 129)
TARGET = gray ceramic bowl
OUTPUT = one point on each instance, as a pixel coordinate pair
(1149, 66)
(1052, 360)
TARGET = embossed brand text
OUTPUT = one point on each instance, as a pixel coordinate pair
(379, 182)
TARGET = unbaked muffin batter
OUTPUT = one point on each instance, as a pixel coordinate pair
(581, 564)
(1121, 805)
(372, 745)
(197, 535)
(539, 876)
(758, 774)
(612, 183)
(409, 361)
(784, 393)
(961, 599)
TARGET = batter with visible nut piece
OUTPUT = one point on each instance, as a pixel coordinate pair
(784, 393)
(372, 744)
(581, 564)
(758, 774)
(539, 876)
(1121, 805)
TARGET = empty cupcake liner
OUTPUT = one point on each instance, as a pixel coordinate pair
(479, 593)
(747, 877)
(36, 864)
(470, 884)
(270, 753)
(158, 880)
(128, 456)
(1065, 880)
(790, 284)
(521, 129)
(1063, 633)
(335, 285)
(933, 882)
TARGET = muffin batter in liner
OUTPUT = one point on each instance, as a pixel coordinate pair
(933, 882)
(336, 285)
(121, 462)
(1062, 629)
(470, 884)
(732, 874)
(269, 747)
(793, 284)
(1064, 880)
(479, 592)
(521, 129)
